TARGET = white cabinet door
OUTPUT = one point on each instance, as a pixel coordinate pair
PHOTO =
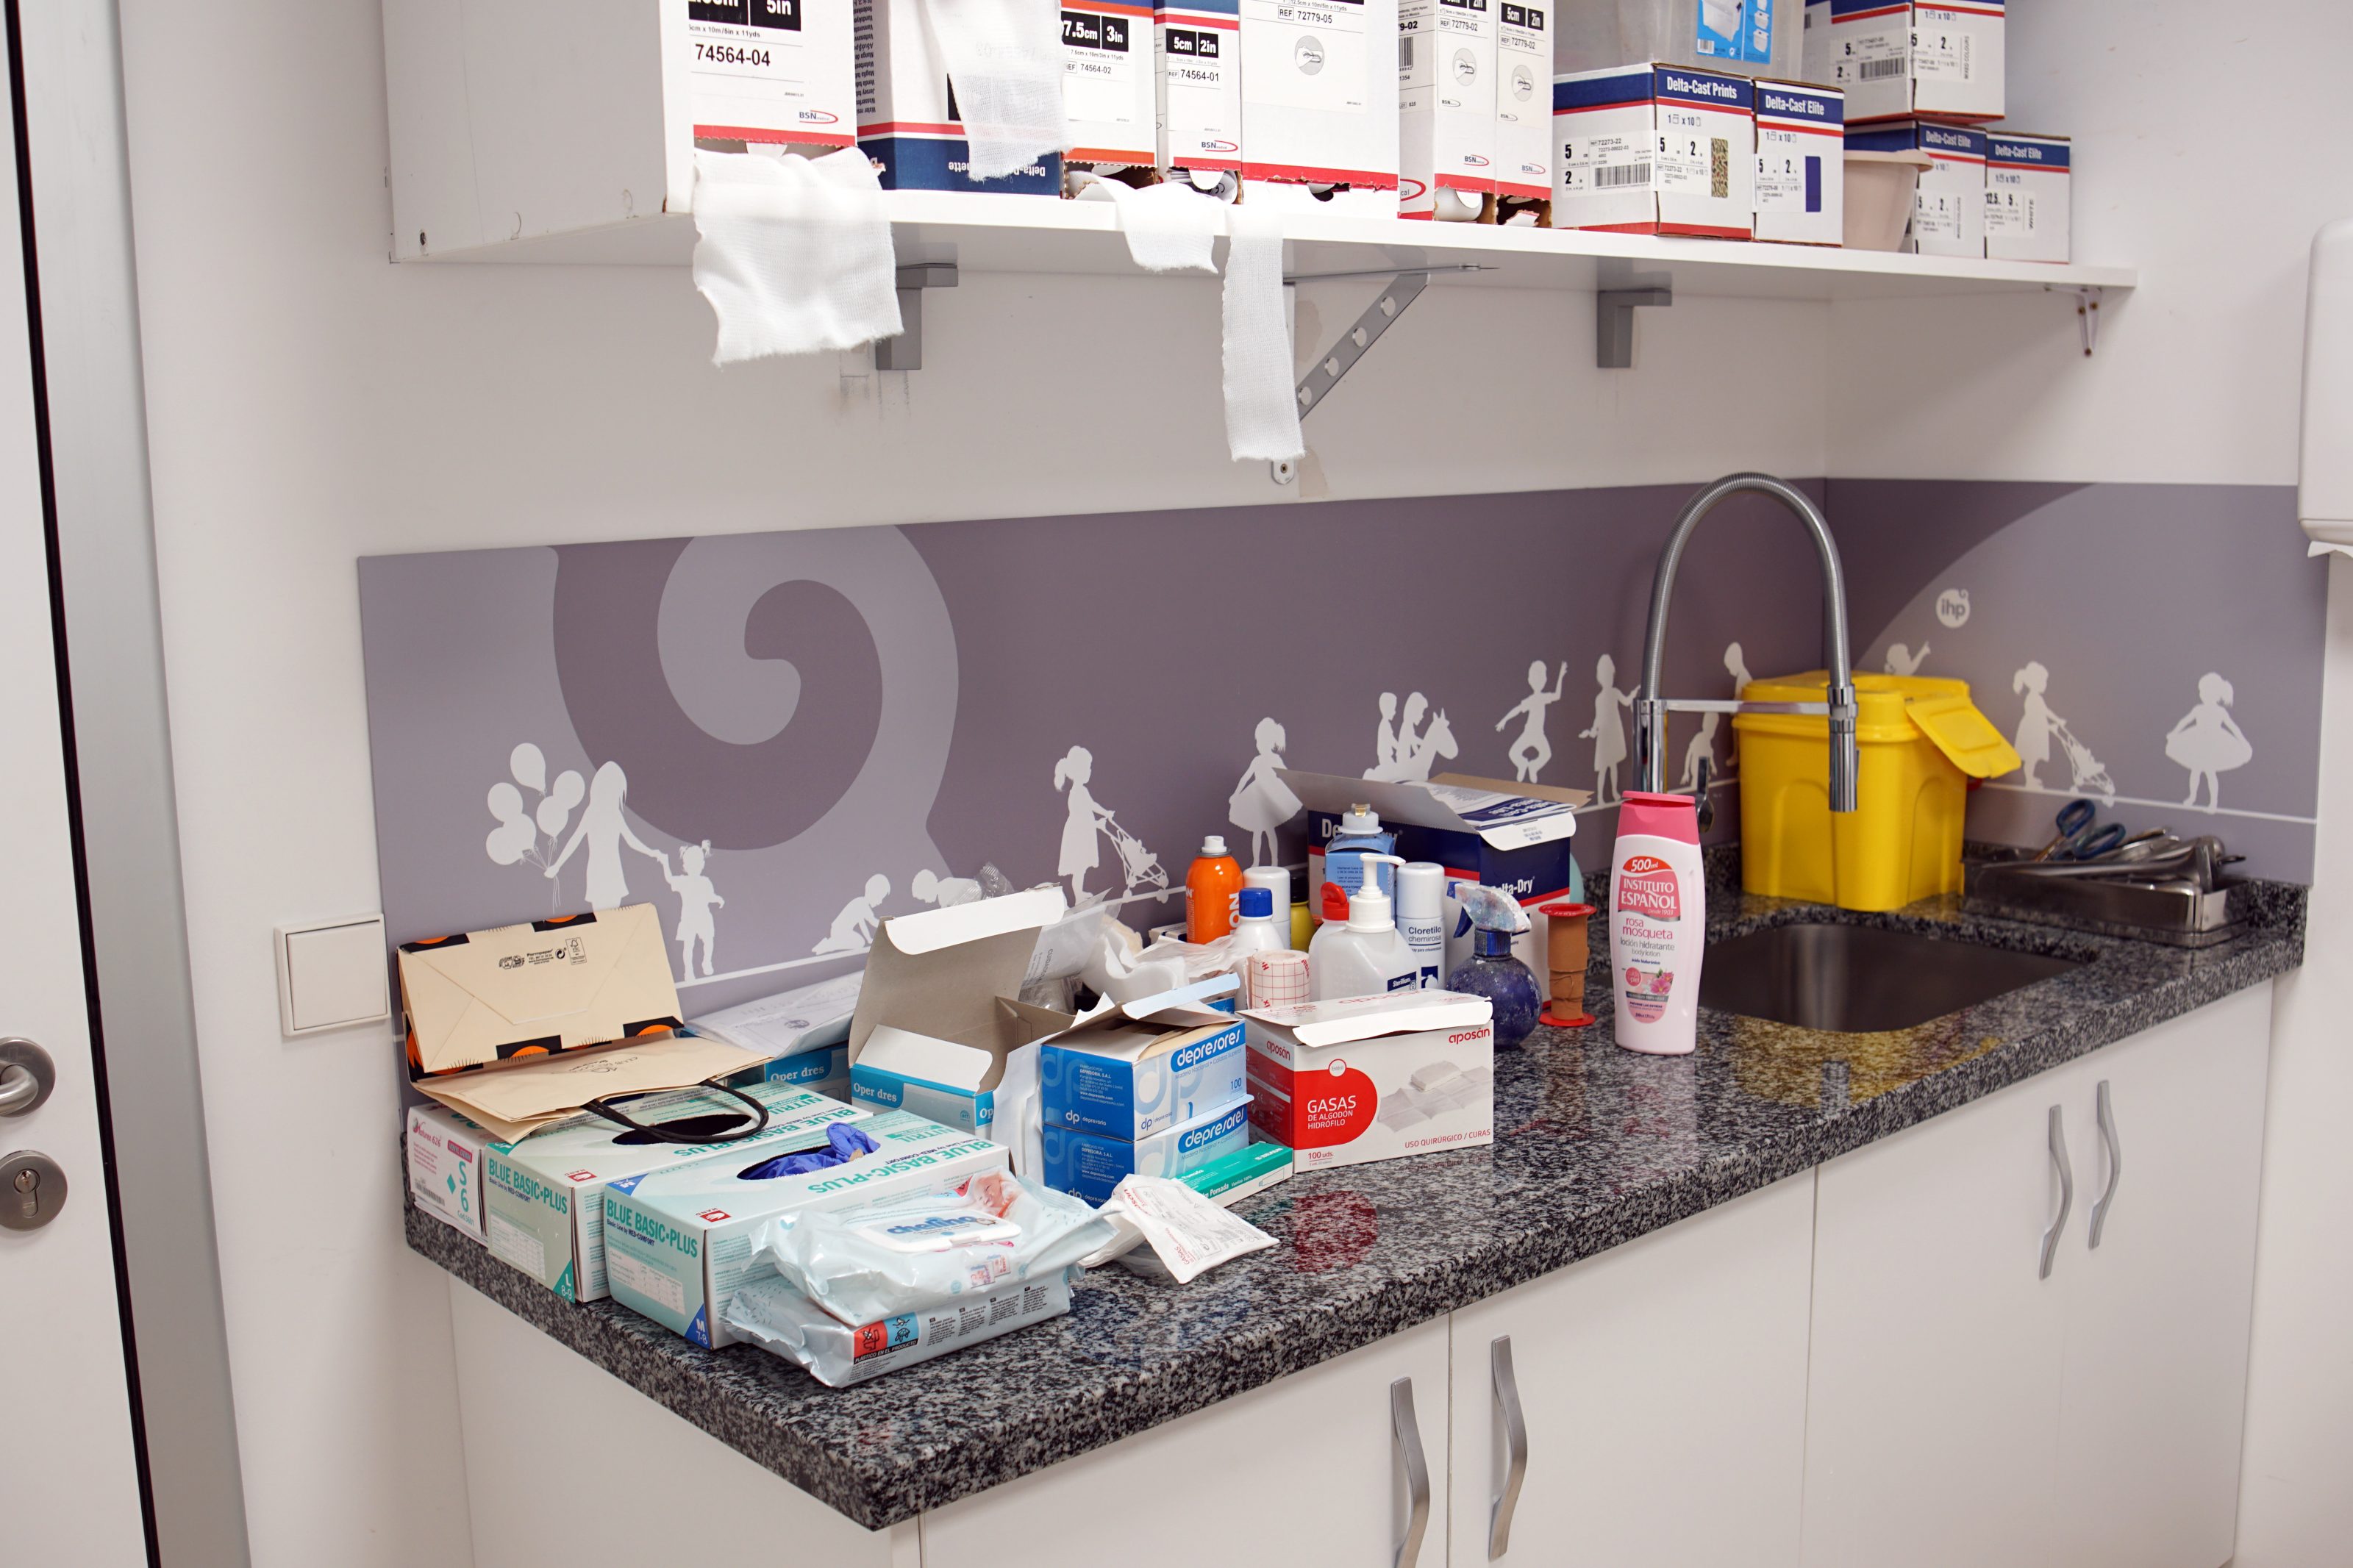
(2158, 1313)
(1306, 1471)
(1662, 1385)
(1933, 1412)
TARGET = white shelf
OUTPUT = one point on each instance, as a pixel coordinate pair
(994, 233)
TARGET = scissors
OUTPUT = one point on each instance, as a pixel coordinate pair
(2080, 836)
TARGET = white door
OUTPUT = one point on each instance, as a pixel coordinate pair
(2157, 1314)
(1307, 1471)
(1662, 1390)
(69, 1485)
(1932, 1417)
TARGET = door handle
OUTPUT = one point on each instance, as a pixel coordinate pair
(1407, 1432)
(26, 1076)
(1516, 1444)
(2066, 1192)
(2107, 1116)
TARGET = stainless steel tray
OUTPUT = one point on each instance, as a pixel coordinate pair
(2176, 911)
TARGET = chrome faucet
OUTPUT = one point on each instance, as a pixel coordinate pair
(1650, 709)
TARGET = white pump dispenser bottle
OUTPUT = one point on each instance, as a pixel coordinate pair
(1367, 955)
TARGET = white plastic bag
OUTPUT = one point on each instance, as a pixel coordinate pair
(772, 1314)
(1189, 1234)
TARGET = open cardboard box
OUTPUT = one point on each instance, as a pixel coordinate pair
(938, 1031)
(1130, 1071)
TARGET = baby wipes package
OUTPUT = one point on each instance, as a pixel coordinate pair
(777, 1318)
(545, 1193)
(680, 1240)
(1091, 1164)
(1130, 1072)
(1374, 1077)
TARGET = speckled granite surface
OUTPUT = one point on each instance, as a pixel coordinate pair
(1595, 1146)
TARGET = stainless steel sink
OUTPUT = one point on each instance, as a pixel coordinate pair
(1852, 980)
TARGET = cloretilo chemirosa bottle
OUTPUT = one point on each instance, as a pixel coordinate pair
(1658, 924)
(1212, 888)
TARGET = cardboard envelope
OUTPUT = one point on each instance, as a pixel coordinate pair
(535, 990)
(515, 1101)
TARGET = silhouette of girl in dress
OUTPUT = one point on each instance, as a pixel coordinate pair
(606, 829)
(1261, 802)
(2208, 741)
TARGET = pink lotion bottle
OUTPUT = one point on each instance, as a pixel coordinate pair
(1658, 924)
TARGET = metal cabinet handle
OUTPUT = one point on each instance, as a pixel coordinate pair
(1516, 1441)
(2066, 1192)
(2107, 1116)
(1408, 1431)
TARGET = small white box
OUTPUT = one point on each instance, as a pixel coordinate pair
(1800, 164)
(1898, 60)
(1524, 100)
(1655, 149)
(765, 71)
(332, 977)
(906, 113)
(445, 1166)
(1374, 1077)
(1198, 61)
(2026, 196)
(1319, 92)
(1446, 108)
(1110, 92)
(1948, 206)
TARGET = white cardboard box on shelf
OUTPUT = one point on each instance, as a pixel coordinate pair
(1523, 99)
(1374, 1077)
(1939, 61)
(1198, 64)
(2026, 196)
(907, 120)
(1948, 206)
(1446, 108)
(1814, 49)
(1319, 94)
(1655, 149)
(767, 71)
(1800, 164)
(1110, 91)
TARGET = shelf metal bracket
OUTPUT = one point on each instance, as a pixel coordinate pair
(1405, 286)
(1613, 323)
(905, 352)
(2087, 311)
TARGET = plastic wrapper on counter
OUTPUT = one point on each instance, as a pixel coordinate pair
(772, 1314)
(1189, 1234)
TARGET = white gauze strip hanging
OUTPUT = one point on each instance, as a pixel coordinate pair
(1170, 227)
(1005, 64)
(795, 254)
(1262, 398)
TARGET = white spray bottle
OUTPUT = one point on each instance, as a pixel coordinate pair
(1658, 924)
(1367, 955)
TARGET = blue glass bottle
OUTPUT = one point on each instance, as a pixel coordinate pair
(1491, 972)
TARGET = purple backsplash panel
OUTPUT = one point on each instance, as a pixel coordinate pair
(848, 715)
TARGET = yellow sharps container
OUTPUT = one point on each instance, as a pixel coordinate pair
(1919, 740)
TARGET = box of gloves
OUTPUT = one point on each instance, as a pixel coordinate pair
(1374, 1077)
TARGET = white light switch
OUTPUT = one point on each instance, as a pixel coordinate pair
(332, 976)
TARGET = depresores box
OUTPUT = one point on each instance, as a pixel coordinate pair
(1127, 1078)
(1090, 1164)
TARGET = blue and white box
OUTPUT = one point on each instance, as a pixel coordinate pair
(1948, 207)
(1800, 164)
(2026, 196)
(1936, 61)
(907, 119)
(1090, 1164)
(1654, 149)
(1129, 1074)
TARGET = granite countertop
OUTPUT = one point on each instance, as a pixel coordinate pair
(1594, 1146)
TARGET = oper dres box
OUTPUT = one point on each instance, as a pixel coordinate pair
(1655, 149)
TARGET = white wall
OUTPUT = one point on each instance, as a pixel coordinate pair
(2196, 380)
(311, 403)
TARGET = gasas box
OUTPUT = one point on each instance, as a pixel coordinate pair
(1948, 207)
(1198, 61)
(2027, 196)
(545, 1193)
(1800, 164)
(1446, 108)
(1319, 92)
(1897, 61)
(683, 1238)
(1374, 1077)
(1655, 149)
(766, 72)
(907, 120)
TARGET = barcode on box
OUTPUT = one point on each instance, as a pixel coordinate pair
(1617, 176)
(1880, 71)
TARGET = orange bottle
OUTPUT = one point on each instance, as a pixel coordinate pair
(1212, 890)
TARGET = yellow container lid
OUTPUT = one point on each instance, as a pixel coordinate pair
(1891, 709)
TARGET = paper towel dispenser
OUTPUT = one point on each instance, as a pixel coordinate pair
(2324, 473)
